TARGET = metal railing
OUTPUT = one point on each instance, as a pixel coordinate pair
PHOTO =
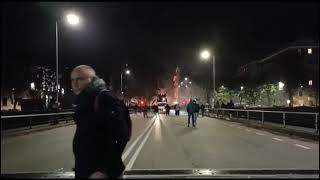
(30, 120)
(283, 118)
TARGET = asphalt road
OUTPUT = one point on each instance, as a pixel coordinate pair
(167, 143)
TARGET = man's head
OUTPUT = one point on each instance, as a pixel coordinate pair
(81, 77)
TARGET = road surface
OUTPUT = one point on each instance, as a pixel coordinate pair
(167, 143)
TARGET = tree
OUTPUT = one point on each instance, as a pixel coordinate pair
(251, 95)
(268, 91)
(225, 94)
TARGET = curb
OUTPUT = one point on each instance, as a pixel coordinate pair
(272, 129)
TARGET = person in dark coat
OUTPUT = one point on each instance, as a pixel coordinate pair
(96, 156)
(177, 109)
(196, 111)
(202, 109)
(145, 111)
(156, 110)
(191, 113)
(167, 109)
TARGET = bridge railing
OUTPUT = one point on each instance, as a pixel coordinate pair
(30, 120)
(285, 119)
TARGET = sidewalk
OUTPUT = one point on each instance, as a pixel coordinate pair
(308, 133)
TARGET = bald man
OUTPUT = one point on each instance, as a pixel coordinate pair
(95, 154)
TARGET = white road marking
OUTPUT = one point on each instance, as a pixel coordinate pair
(231, 125)
(277, 139)
(302, 146)
(127, 152)
(248, 130)
(260, 134)
(239, 127)
(134, 157)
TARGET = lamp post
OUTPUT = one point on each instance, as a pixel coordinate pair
(73, 20)
(205, 54)
(127, 72)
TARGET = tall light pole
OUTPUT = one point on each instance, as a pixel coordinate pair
(127, 71)
(205, 55)
(73, 20)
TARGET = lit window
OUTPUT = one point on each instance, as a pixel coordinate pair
(309, 51)
(310, 82)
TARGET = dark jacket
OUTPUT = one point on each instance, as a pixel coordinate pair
(202, 107)
(92, 146)
(167, 107)
(196, 107)
(190, 108)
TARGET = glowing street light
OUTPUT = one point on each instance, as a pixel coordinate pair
(288, 101)
(205, 55)
(127, 72)
(241, 88)
(310, 82)
(186, 79)
(281, 84)
(73, 19)
(32, 86)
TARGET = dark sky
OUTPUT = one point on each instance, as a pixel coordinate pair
(152, 37)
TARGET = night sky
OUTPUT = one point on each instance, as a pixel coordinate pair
(151, 37)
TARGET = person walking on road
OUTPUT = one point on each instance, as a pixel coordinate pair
(96, 152)
(145, 111)
(196, 111)
(177, 109)
(167, 107)
(230, 106)
(191, 110)
(156, 110)
(202, 110)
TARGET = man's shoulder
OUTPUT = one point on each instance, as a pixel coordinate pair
(105, 99)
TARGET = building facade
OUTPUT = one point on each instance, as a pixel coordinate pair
(296, 66)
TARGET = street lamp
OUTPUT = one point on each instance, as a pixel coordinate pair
(127, 71)
(288, 102)
(72, 19)
(186, 79)
(241, 88)
(32, 86)
(205, 55)
(281, 84)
